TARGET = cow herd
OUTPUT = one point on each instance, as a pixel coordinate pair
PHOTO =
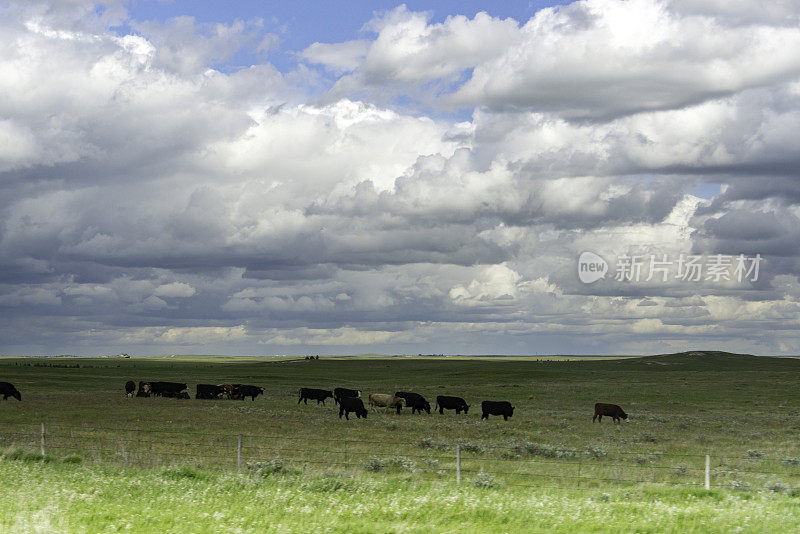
(177, 390)
(349, 400)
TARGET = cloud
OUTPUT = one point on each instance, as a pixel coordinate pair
(338, 57)
(160, 199)
(606, 58)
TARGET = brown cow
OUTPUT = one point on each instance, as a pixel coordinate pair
(386, 401)
(614, 411)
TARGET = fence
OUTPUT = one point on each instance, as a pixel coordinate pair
(517, 463)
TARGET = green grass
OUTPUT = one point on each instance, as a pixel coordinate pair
(547, 468)
(64, 497)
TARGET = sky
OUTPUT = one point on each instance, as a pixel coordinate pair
(594, 177)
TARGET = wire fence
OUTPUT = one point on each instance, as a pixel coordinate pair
(516, 463)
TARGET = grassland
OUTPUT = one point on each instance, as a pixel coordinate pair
(173, 462)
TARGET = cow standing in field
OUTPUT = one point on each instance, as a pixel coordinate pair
(241, 391)
(7, 390)
(614, 411)
(209, 391)
(415, 400)
(352, 404)
(167, 389)
(341, 393)
(314, 394)
(130, 388)
(451, 403)
(386, 401)
(503, 408)
(144, 389)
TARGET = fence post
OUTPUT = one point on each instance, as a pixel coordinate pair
(43, 434)
(458, 463)
(239, 454)
(708, 471)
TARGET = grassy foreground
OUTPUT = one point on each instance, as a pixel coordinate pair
(65, 497)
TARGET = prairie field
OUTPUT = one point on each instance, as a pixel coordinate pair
(146, 464)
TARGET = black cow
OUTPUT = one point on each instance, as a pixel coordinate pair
(352, 404)
(601, 409)
(130, 387)
(145, 388)
(167, 389)
(340, 393)
(209, 391)
(314, 394)
(451, 403)
(503, 408)
(7, 390)
(415, 400)
(240, 391)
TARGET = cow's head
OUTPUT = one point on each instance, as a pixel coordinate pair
(624, 416)
(511, 412)
(427, 406)
(466, 408)
(330, 394)
(16, 394)
(364, 413)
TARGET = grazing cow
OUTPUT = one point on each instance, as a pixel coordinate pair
(145, 388)
(314, 394)
(7, 390)
(240, 391)
(229, 392)
(352, 404)
(386, 401)
(503, 408)
(166, 389)
(340, 393)
(415, 400)
(209, 391)
(130, 387)
(451, 403)
(601, 409)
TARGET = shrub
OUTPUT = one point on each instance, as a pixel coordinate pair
(738, 485)
(647, 437)
(426, 443)
(401, 462)
(72, 459)
(268, 467)
(468, 446)
(484, 480)
(375, 464)
(184, 471)
(397, 462)
(778, 487)
(791, 461)
(682, 468)
(593, 451)
(754, 453)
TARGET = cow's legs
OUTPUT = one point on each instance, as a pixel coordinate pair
(505, 418)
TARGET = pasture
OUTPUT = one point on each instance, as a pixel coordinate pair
(547, 468)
